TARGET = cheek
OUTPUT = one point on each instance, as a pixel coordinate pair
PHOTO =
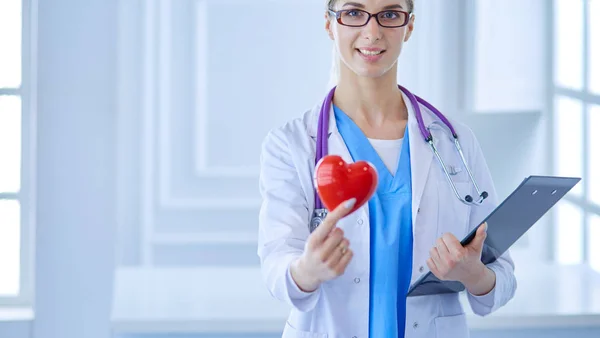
(397, 37)
(396, 41)
(346, 42)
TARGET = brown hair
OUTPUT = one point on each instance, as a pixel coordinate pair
(410, 4)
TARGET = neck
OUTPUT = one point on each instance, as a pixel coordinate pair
(373, 101)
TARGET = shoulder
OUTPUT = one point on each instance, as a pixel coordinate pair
(470, 147)
(466, 136)
(287, 149)
(464, 131)
(292, 131)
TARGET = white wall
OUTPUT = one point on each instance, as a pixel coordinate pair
(148, 134)
(198, 93)
(76, 120)
(189, 80)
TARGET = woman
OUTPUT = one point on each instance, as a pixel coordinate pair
(350, 276)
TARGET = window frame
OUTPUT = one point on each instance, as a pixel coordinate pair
(27, 193)
(536, 245)
(587, 99)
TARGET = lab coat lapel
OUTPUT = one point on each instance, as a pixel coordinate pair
(421, 156)
(336, 143)
(337, 146)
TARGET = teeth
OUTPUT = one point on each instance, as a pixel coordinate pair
(367, 52)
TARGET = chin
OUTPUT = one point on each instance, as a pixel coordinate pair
(372, 72)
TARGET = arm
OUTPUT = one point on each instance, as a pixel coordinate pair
(499, 275)
(283, 226)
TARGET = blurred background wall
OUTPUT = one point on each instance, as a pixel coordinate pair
(130, 132)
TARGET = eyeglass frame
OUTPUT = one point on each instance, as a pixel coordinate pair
(338, 17)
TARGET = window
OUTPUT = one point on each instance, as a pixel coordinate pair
(576, 115)
(15, 222)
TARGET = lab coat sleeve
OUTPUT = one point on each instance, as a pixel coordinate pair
(503, 267)
(283, 222)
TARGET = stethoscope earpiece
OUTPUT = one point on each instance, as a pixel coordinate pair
(483, 196)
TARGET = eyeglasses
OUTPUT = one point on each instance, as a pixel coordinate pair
(359, 18)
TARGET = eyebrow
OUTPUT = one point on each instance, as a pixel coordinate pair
(359, 5)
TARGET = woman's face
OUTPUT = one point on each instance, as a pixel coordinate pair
(370, 50)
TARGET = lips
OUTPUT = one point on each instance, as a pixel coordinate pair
(370, 52)
(370, 55)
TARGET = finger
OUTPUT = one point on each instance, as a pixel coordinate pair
(331, 243)
(434, 253)
(435, 256)
(343, 263)
(453, 245)
(433, 268)
(440, 244)
(337, 254)
(331, 220)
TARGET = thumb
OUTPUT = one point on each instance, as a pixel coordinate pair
(479, 237)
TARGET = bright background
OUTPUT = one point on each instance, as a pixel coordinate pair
(130, 132)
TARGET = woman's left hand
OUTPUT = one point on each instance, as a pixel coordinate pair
(449, 260)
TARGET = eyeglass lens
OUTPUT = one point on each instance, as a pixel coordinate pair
(385, 18)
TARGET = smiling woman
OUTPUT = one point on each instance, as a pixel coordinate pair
(347, 271)
(357, 19)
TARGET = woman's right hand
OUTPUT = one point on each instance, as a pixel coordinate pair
(326, 255)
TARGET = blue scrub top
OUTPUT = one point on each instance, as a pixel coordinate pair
(390, 219)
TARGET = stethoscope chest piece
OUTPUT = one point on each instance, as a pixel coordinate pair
(317, 218)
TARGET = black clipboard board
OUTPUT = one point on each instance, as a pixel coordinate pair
(531, 200)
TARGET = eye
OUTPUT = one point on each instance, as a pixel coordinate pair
(390, 15)
(353, 12)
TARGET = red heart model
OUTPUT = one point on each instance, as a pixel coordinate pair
(336, 181)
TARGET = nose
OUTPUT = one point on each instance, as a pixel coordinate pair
(372, 30)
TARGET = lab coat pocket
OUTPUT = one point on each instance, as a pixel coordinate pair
(452, 326)
(290, 332)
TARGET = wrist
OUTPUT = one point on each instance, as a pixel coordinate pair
(302, 277)
(475, 276)
(481, 281)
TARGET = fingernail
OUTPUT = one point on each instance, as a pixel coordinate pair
(350, 203)
(485, 226)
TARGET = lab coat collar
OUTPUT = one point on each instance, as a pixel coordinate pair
(314, 119)
(420, 153)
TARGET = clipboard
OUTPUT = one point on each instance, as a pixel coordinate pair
(506, 224)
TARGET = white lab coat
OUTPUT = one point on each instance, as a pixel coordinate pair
(340, 307)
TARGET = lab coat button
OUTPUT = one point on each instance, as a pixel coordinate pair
(415, 325)
(360, 221)
(356, 280)
(421, 269)
(418, 210)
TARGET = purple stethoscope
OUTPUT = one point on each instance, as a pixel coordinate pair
(320, 211)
